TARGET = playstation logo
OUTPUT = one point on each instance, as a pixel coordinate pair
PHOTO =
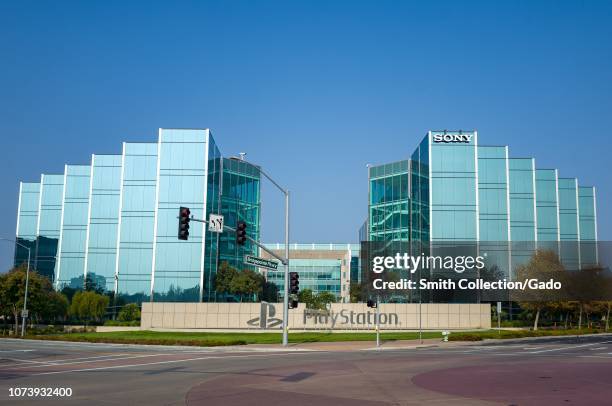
(266, 317)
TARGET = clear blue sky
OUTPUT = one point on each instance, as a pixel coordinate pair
(312, 91)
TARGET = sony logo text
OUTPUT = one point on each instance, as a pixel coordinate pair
(466, 138)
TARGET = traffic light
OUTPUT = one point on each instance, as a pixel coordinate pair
(293, 304)
(372, 303)
(294, 283)
(184, 219)
(241, 233)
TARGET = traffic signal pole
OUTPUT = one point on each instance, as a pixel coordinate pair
(260, 245)
(286, 296)
(284, 261)
(378, 321)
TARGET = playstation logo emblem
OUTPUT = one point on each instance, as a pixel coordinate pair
(266, 317)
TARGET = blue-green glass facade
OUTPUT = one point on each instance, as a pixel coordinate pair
(587, 224)
(70, 264)
(419, 193)
(239, 200)
(453, 189)
(136, 221)
(547, 209)
(522, 199)
(49, 223)
(569, 222)
(587, 219)
(523, 232)
(182, 172)
(27, 220)
(462, 191)
(103, 221)
(494, 204)
(493, 193)
(547, 204)
(114, 222)
(389, 213)
(568, 209)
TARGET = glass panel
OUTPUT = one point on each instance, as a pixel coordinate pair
(27, 221)
(135, 255)
(103, 220)
(70, 265)
(49, 223)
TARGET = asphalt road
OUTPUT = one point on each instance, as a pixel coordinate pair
(535, 372)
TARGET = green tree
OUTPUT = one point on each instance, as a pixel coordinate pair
(307, 297)
(543, 265)
(269, 291)
(224, 277)
(88, 306)
(325, 298)
(246, 283)
(356, 293)
(93, 283)
(69, 292)
(12, 292)
(56, 307)
(562, 309)
(317, 301)
(129, 312)
(589, 288)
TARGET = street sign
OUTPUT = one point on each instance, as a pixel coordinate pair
(24, 314)
(261, 262)
(215, 223)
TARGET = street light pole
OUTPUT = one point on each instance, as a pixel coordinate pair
(25, 297)
(378, 321)
(286, 296)
(286, 262)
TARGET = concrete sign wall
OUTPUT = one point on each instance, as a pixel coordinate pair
(353, 316)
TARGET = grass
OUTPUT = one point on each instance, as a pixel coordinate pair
(217, 339)
(494, 334)
(206, 339)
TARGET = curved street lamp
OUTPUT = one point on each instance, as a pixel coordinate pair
(25, 297)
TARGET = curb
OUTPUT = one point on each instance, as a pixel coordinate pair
(544, 338)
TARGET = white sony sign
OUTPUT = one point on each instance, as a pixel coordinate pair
(465, 138)
(215, 223)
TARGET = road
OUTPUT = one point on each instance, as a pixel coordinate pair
(534, 372)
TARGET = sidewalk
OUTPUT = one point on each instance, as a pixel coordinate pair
(368, 345)
(427, 343)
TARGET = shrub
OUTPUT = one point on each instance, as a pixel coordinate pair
(133, 323)
(129, 312)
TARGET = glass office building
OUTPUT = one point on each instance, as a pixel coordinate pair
(27, 220)
(321, 267)
(453, 189)
(114, 222)
(49, 221)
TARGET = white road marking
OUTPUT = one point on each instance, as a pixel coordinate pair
(16, 350)
(55, 363)
(147, 347)
(25, 361)
(80, 358)
(157, 363)
(568, 347)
